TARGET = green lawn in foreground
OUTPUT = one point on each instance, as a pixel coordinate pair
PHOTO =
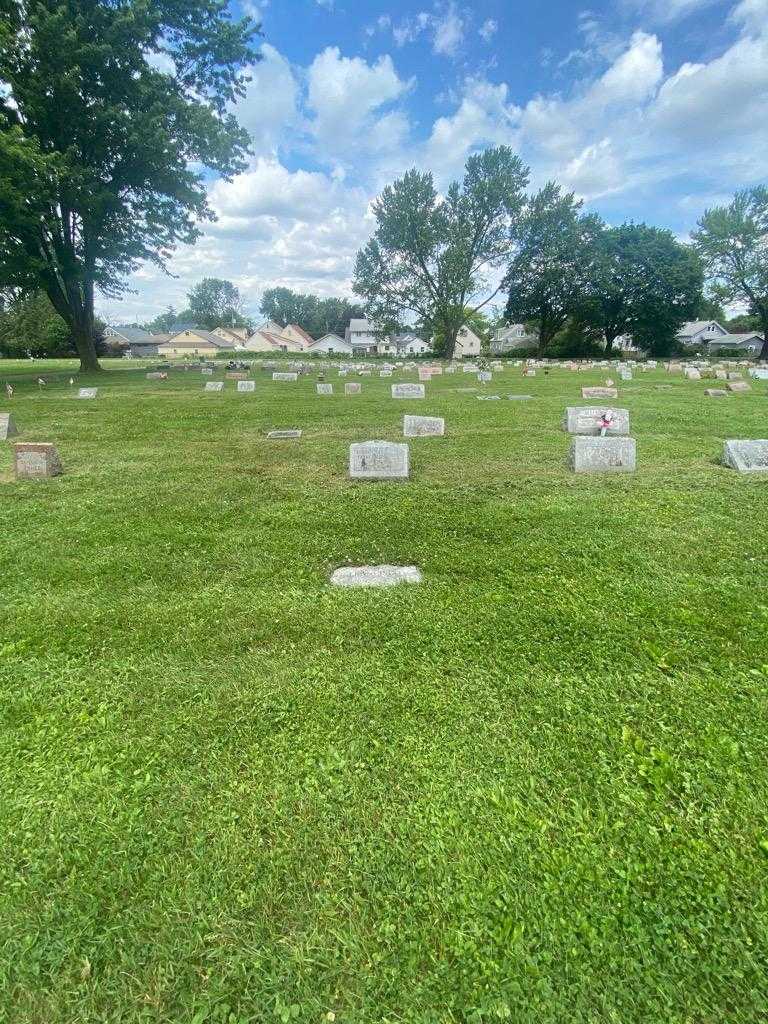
(532, 789)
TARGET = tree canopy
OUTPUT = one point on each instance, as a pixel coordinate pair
(641, 281)
(732, 242)
(432, 257)
(97, 144)
(315, 315)
(216, 303)
(549, 273)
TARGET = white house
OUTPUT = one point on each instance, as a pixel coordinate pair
(699, 332)
(193, 342)
(331, 344)
(361, 334)
(467, 343)
(505, 339)
(295, 333)
(236, 336)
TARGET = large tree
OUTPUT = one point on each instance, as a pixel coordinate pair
(643, 282)
(432, 258)
(98, 146)
(315, 315)
(732, 242)
(216, 303)
(548, 276)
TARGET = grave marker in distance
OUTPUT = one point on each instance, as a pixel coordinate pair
(324, 389)
(36, 461)
(408, 391)
(7, 426)
(423, 426)
(246, 386)
(214, 385)
(599, 393)
(746, 456)
(87, 392)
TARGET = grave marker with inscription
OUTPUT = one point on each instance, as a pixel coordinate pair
(324, 389)
(245, 387)
(285, 376)
(603, 454)
(36, 461)
(353, 389)
(87, 392)
(378, 460)
(407, 390)
(214, 385)
(423, 426)
(746, 456)
(599, 393)
(588, 421)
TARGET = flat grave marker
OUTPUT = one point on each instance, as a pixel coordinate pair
(283, 435)
(739, 386)
(245, 387)
(716, 393)
(408, 391)
(746, 456)
(36, 461)
(214, 385)
(599, 393)
(352, 389)
(285, 376)
(423, 426)
(87, 392)
(379, 460)
(375, 575)
(603, 455)
(324, 389)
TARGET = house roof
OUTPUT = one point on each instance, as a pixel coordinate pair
(132, 334)
(333, 337)
(213, 339)
(302, 333)
(274, 339)
(737, 339)
(694, 326)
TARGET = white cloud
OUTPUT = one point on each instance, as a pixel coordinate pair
(269, 108)
(347, 95)
(488, 29)
(753, 15)
(448, 32)
(666, 11)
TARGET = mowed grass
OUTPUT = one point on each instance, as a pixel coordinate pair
(533, 788)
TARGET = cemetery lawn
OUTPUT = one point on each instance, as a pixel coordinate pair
(533, 788)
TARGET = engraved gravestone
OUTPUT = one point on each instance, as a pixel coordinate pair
(36, 461)
(7, 426)
(207, 371)
(87, 392)
(588, 421)
(746, 456)
(423, 426)
(603, 454)
(245, 387)
(157, 375)
(407, 390)
(236, 375)
(716, 393)
(324, 389)
(599, 393)
(739, 386)
(214, 385)
(285, 376)
(375, 575)
(352, 389)
(283, 435)
(378, 460)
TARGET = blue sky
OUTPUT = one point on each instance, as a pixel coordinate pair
(647, 109)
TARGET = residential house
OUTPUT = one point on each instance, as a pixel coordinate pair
(295, 333)
(467, 343)
(331, 344)
(361, 334)
(193, 342)
(750, 343)
(506, 339)
(236, 336)
(271, 341)
(700, 332)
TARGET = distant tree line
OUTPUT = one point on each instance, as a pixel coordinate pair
(435, 261)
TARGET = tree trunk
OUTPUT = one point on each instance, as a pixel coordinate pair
(86, 348)
(764, 349)
(451, 335)
(609, 340)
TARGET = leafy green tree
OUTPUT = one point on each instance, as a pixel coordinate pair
(548, 277)
(30, 324)
(97, 145)
(432, 257)
(710, 309)
(742, 324)
(315, 315)
(642, 282)
(732, 242)
(475, 319)
(216, 303)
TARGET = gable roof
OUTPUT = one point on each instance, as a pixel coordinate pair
(276, 339)
(199, 333)
(694, 326)
(302, 333)
(333, 337)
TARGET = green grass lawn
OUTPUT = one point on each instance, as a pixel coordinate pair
(533, 788)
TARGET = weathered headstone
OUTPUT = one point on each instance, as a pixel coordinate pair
(157, 375)
(423, 426)
(285, 376)
(603, 454)
(488, 398)
(746, 456)
(599, 393)
(236, 375)
(735, 376)
(588, 421)
(378, 460)
(692, 373)
(324, 389)
(214, 385)
(375, 575)
(425, 376)
(716, 393)
(7, 426)
(36, 461)
(739, 386)
(352, 389)
(385, 373)
(519, 398)
(407, 390)
(206, 371)
(87, 392)
(485, 377)
(283, 435)
(246, 386)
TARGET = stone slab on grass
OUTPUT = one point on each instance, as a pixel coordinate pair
(283, 435)
(423, 426)
(379, 460)
(746, 456)
(36, 461)
(7, 426)
(586, 420)
(603, 455)
(599, 393)
(408, 391)
(375, 575)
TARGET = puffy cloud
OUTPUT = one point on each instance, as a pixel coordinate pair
(488, 29)
(346, 95)
(448, 31)
(269, 108)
